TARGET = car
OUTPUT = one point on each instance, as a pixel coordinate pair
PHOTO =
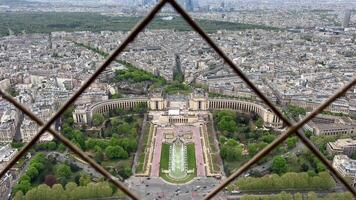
(235, 192)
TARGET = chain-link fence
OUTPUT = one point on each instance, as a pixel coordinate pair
(292, 128)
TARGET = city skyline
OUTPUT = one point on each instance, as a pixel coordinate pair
(171, 117)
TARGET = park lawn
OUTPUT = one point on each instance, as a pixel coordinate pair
(191, 157)
(141, 162)
(215, 160)
(164, 157)
(113, 163)
(146, 145)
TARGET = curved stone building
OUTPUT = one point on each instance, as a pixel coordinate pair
(195, 102)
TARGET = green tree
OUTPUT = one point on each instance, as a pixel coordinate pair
(292, 142)
(63, 172)
(99, 154)
(19, 196)
(268, 138)
(116, 152)
(98, 119)
(22, 186)
(279, 165)
(231, 150)
(129, 144)
(312, 196)
(32, 172)
(125, 172)
(115, 122)
(79, 138)
(84, 180)
(298, 196)
(52, 146)
(295, 111)
(259, 123)
(227, 124)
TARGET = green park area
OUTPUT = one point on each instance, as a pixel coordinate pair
(146, 142)
(241, 137)
(46, 22)
(133, 75)
(111, 142)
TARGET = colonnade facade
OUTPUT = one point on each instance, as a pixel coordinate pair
(178, 120)
(83, 115)
(269, 118)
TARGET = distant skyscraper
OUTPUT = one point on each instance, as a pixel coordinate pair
(347, 19)
(148, 2)
(189, 5)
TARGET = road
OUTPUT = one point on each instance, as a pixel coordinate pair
(157, 189)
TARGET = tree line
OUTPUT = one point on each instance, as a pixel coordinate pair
(46, 22)
(70, 192)
(290, 180)
(36, 165)
(299, 196)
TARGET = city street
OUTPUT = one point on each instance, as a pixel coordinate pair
(156, 188)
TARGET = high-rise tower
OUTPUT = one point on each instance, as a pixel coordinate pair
(347, 19)
(189, 5)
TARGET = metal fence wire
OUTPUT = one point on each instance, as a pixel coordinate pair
(292, 128)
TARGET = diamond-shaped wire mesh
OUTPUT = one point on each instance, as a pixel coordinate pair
(292, 128)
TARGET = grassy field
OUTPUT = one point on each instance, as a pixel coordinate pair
(45, 22)
(191, 157)
(146, 144)
(165, 157)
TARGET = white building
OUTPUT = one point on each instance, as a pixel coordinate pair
(342, 146)
(6, 154)
(29, 129)
(345, 166)
(8, 124)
